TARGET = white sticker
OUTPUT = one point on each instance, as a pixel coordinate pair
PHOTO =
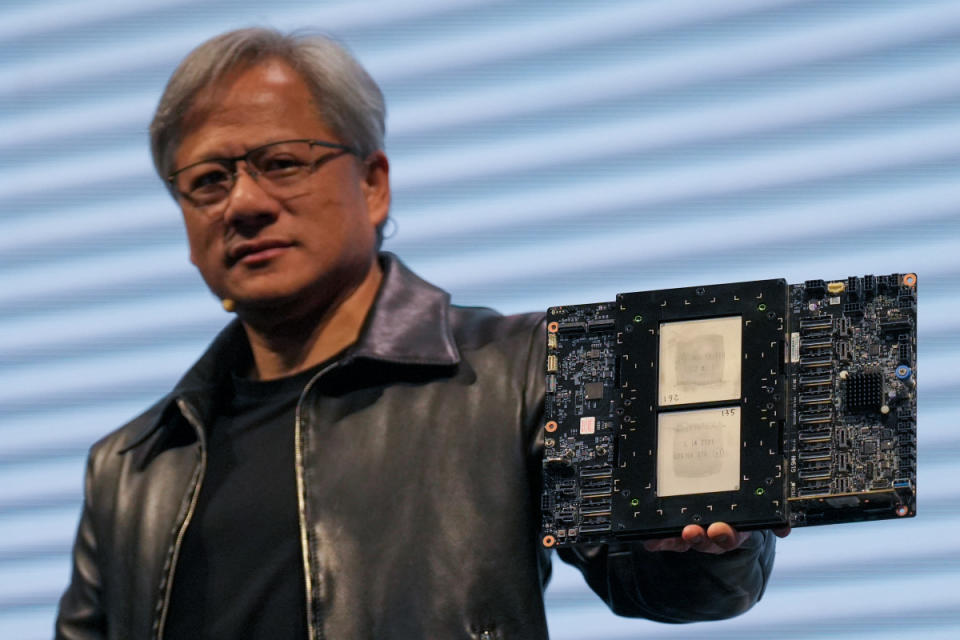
(795, 347)
(588, 425)
(835, 300)
(698, 451)
(700, 360)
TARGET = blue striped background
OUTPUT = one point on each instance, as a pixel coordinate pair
(543, 153)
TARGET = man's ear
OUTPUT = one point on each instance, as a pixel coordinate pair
(376, 187)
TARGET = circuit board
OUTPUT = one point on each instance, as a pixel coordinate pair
(757, 403)
(582, 395)
(852, 441)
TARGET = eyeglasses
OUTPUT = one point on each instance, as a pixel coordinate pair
(277, 167)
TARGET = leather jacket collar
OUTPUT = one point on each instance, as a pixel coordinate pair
(407, 324)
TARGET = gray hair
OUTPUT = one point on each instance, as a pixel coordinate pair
(347, 98)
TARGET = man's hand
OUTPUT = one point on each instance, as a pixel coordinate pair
(718, 538)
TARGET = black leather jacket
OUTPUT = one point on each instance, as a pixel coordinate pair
(418, 488)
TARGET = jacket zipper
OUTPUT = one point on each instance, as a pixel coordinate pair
(174, 553)
(187, 411)
(312, 631)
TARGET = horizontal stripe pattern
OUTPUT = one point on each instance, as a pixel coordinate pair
(542, 153)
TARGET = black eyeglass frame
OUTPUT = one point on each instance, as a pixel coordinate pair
(230, 163)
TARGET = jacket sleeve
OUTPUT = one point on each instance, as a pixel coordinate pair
(81, 615)
(672, 586)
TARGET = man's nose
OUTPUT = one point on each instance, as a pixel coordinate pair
(249, 205)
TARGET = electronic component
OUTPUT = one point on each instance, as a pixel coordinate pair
(757, 403)
(699, 360)
(864, 391)
(698, 451)
(593, 391)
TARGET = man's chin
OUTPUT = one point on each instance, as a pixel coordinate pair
(273, 308)
(269, 301)
(264, 303)
(261, 293)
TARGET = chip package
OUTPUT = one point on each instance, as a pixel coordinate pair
(756, 403)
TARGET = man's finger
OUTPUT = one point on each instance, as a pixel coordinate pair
(719, 537)
(693, 534)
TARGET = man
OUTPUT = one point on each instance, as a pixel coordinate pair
(353, 457)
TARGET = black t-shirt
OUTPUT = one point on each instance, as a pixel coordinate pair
(240, 570)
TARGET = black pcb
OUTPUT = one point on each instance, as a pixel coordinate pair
(851, 442)
(755, 403)
(582, 402)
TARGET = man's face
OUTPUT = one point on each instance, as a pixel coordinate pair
(266, 252)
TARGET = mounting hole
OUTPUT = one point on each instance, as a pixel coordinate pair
(910, 280)
(553, 327)
(759, 491)
(634, 502)
(902, 510)
(551, 426)
(762, 307)
(549, 541)
(638, 318)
